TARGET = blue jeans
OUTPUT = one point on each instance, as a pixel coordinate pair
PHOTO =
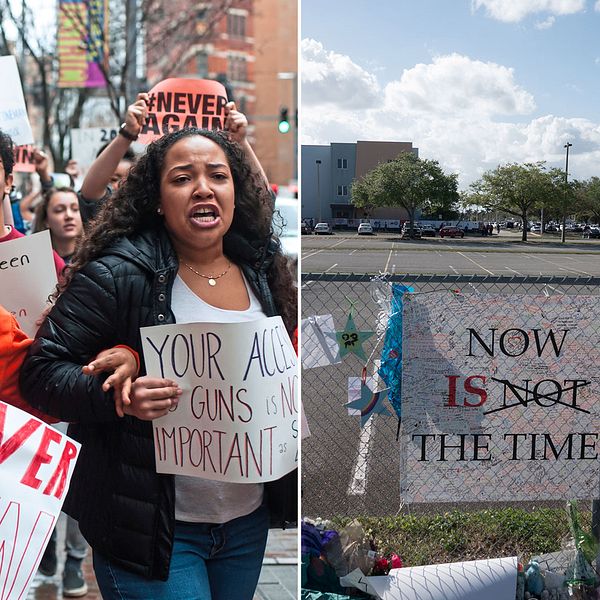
(210, 561)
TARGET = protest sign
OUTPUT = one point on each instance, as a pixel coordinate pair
(36, 464)
(175, 104)
(499, 397)
(492, 579)
(13, 113)
(86, 142)
(24, 162)
(27, 278)
(237, 419)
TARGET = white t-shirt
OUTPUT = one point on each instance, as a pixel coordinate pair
(202, 500)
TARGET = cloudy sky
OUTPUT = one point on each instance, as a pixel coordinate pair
(472, 83)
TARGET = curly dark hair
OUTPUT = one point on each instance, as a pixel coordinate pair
(7, 149)
(133, 208)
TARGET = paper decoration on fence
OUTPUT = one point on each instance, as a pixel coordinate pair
(354, 389)
(350, 340)
(580, 571)
(492, 579)
(370, 403)
(391, 355)
(357, 579)
(319, 345)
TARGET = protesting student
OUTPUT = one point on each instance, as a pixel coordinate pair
(187, 237)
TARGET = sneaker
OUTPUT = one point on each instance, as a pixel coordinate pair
(74, 584)
(49, 563)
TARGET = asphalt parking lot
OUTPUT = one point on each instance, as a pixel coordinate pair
(502, 254)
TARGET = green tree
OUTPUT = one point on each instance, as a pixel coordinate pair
(588, 199)
(516, 189)
(407, 182)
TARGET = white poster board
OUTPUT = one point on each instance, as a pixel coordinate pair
(13, 112)
(85, 143)
(237, 419)
(493, 579)
(318, 342)
(36, 464)
(27, 278)
(499, 397)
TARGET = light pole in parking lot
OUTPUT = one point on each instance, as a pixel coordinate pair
(564, 215)
(318, 163)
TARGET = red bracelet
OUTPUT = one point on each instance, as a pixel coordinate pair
(135, 355)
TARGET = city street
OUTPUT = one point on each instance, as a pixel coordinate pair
(346, 252)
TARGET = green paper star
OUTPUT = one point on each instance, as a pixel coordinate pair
(351, 340)
(370, 403)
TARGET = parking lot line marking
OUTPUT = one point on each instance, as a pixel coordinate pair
(509, 269)
(353, 251)
(475, 263)
(560, 268)
(331, 267)
(358, 483)
(455, 271)
(309, 255)
(385, 270)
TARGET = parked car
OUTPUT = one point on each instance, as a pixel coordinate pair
(536, 228)
(416, 232)
(322, 229)
(305, 228)
(365, 229)
(451, 231)
(550, 228)
(428, 231)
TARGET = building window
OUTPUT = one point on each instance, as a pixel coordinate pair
(342, 190)
(202, 64)
(342, 163)
(236, 69)
(236, 25)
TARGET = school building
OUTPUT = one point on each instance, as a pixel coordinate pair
(327, 176)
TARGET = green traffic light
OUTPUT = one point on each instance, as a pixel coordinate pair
(284, 126)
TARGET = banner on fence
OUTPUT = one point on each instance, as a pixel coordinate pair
(237, 419)
(37, 463)
(27, 278)
(493, 579)
(499, 397)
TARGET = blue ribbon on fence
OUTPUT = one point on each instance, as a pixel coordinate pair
(391, 355)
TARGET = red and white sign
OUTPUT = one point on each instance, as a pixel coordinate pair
(36, 464)
(175, 104)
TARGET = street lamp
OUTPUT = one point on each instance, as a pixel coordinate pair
(564, 216)
(318, 163)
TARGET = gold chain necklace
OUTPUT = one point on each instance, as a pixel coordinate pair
(212, 279)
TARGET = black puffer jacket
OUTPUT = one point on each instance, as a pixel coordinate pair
(124, 508)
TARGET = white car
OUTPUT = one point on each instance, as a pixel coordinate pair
(322, 229)
(365, 229)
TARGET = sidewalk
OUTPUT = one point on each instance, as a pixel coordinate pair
(278, 578)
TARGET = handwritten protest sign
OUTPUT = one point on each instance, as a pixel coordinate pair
(36, 464)
(86, 142)
(27, 278)
(175, 104)
(237, 419)
(499, 397)
(492, 579)
(13, 113)
(24, 162)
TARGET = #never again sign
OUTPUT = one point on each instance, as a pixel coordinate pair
(237, 419)
(499, 397)
(36, 464)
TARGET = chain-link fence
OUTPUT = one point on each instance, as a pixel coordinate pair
(349, 471)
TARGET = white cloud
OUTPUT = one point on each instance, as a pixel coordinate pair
(546, 23)
(455, 111)
(457, 84)
(332, 78)
(513, 11)
(597, 6)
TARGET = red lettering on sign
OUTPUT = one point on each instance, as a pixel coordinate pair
(62, 470)
(18, 438)
(41, 457)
